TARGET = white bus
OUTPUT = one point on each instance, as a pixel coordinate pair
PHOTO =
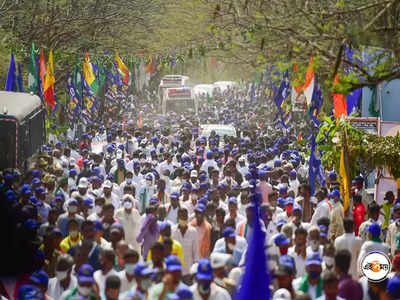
(179, 100)
(172, 81)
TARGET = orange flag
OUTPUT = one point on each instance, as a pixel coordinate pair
(339, 101)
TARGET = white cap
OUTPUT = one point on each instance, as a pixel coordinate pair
(107, 184)
(83, 183)
(241, 158)
(282, 294)
(193, 173)
(72, 161)
(219, 260)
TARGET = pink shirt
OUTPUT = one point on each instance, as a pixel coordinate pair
(265, 188)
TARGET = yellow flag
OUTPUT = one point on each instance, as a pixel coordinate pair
(344, 178)
(88, 73)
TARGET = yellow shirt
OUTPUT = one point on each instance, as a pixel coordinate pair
(67, 243)
(176, 250)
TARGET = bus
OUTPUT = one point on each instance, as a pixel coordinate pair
(22, 128)
(179, 100)
(172, 81)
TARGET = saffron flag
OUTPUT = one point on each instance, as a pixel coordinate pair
(89, 76)
(49, 81)
(308, 87)
(339, 101)
(123, 70)
(42, 69)
(255, 280)
(151, 66)
(11, 82)
(344, 176)
(33, 80)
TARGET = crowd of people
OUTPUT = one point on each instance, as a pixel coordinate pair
(162, 212)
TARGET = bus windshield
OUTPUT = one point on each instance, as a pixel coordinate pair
(180, 105)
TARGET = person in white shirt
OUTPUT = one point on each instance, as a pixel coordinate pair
(166, 164)
(243, 169)
(187, 236)
(330, 283)
(172, 208)
(314, 241)
(374, 243)
(109, 196)
(293, 181)
(209, 162)
(351, 243)
(298, 251)
(322, 209)
(131, 258)
(130, 220)
(63, 280)
(106, 258)
(205, 288)
(233, 211)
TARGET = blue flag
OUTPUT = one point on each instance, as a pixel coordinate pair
(11, 82)
(20, 79)
(282, 99)
(252, 92)
(352, 99)
(316, 105)
(255, 281)
(75, 102)
(315, 169)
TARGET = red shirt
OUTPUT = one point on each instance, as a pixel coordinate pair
(358, 215)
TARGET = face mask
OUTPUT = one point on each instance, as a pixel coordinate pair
(84, 291)
(231, 246)
(194, 196)
(314, 245)
(98, 209)
(129, 268)
(73, 233)
(204, 288)
(182, 222)
(146, 284)
(61, 275)
(148, 183)
(283, 251)
(128, 204)
(329, 260)
(314, 274)
(72, 209)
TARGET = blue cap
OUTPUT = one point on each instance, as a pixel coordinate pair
(393, 287)
(88, 201)
(335, 193)
(204, 185)
(11, 196)
(153, 201)
(35, 173)
(289, 200)
(40, 277)
(281, 201)
(281, 221)
(287, 260)
(374, 229)
(142, 269)
(85, 273)
(187, 187)
(35, 180)
(40, 190)
(204, 270)
(332, 175)
(164, 224)
(200, 207)
(228, 232)
(209, 154)
(149, 177)
(29, 292)
(297, 207)
(277, 163)
(313, 259)
(31, 224)
(98, 225)
(173, 263)
(233, 200)
(72, 172)
(283, 189)
(174, 195)
(281, 239)
(221, 186)
(292, 173)
(184, 293)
